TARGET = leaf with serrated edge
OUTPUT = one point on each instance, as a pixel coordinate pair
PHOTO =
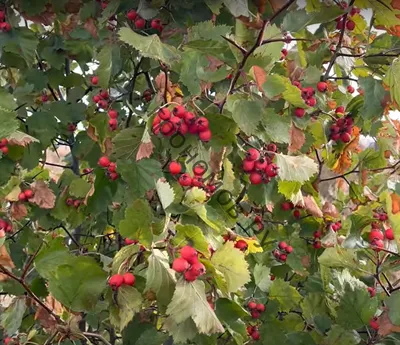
(129, 301)
(165, 193)
(295, 168)
(192, 234)
(231, 262)
(189, 301)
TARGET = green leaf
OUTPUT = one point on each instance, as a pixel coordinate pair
(394, 303)
(393, 80)
(338, 257)
(237, 7)
(288, 188)
(9, 123)
(190, 59)
(190, 234)
(313, 6)
(338, 335)
(287, 296)
(22, 41)
(137, 222)
(125, 257)
(262, 194)
(126, 143)
(312, 75)
(262, 277)
(208, 31)
(150, 46)
(141, 176)
(79, 188)
(274, 127)
(11, 318)
(232, 264)
(78, 283)
(295, 168)
(189, 301)
(373, 97)
(165, 193)
(105, 67)
(274, 86)
(356, 308)
(160, 277)
(129, 302)
(43, 126)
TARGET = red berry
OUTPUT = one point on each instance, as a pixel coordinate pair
(334, 129)
(164, 114)
(250, 329)
(189, 254)
(322, 86)
(350, 89)
(241, 245)
(378, 244)
(202, 124)
(261, 164)
(128, 241)
(271, 277)
(311, 102)
(197, 181)
(282, 245)
(102, 104)
(198, 269)
(335, 136)
(140, 23)
(286, 206)
(7, 341)
(299, 112)
(180, 265)
(131, 15)
(129, 279)
(389, 234)
(205, 136)
(252, 305)
(183, 128)
(340, 24)
(179, 111)
(317, 244)
(271, 147)
(104, 94)
(257, 219)
(296, 214)
(116, 281)
(113, 176)
(289, 249)
(199, 170)
(104, 162)
(5, 26)
(3, 142)
(113, 113)
(375, 235)
(113, 124)
(297, 84)
(4, 149)
(21, 196)
(383, 217)
(255, 314)
(77, 203)
(190, 276)
(248, 166)
(260, 307)
(94, 80)
(340, 110)
(96, 98)
(28, 193)
(317, 234)
(271, 170)
(156, 24)
(174, 168)
(69, 202)
(283, 257)
(284, 52)
(185, 180)
(44, 98)
(372, 291)
(193, 129)
(252, 154)
(189, 118)
(112, 167)
(345, 137)
(255, 178)
(255, 335)
(374, 324)
(167, 128)
(350, 25)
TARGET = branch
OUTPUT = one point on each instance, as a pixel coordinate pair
(284, 40)
(55, 165)
(342, 78)
(30, 261)
(131, 89)
(242, 50)
(96, 336)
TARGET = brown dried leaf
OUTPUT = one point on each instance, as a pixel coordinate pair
(213, 63)
(344, 161)
(21, 139)
(329, 209)
(47, 17)
(260, 76)
(395, 203)
(385, 325)
(90, 26)
(43, 195)
(48, 321)
(145, 148)
(18, 210)
(297, 138)
(91, 132)
(216, 159)
(6, 261)
(311, 206)
(69, 24)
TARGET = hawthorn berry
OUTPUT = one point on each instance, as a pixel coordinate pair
(128, 241)
(131, 15)
(383, 217)
(272, 277)
(102, 104)
(156, 24)
(189, 254)
(389, 234)
(69, 202)
(376, 235)
(248, 166)
(252, 305)
(252, 154)
(199, 169)
(180, 265)
(299, 112)
(311, 102)
(350, 25)
(377, 244)
(28, 193)
(271, 170)
(289, 249)
(21, 196)
(113, 113)
(255, 314)
(164, 114)
(112, 168)
(340, 110)
(77, 203)
(283, 257)
(104, 94)
(179, 111)
(241, 245)
(116, 281)
(205, 136)
(350, 89)
(255, 335)
(94, 80)
(322, 86)
(287, 206)
(189, 118)
(190, 276)
(260, 307)
(129, 279)
(296, 214)
(255, 178)
(175, 168)
(96, 98)
(185, 180)
(372, 291)
(345, 137)
(198, 269)
(104, 162)
(140, 23)
(374, 324)
(6, 27)
(202, 124)
(317, 244)
(167, 128)
(272, 147)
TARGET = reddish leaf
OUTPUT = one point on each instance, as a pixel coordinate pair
(395, 203)
(297, 138)
(6, 261)
(385, 325)
(145, 150)
(18, 210)
(330, 209)
(260, 76)
(43, 195)
(311, 206)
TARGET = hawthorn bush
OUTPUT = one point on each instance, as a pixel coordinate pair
(202, 172)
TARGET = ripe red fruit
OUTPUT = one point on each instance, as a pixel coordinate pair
(255, 335)
(283, 257)
(389, 234)
(334, 129)
(131, 15)
(189, 118)
(198, 269)
(77, 203)
(167, 128)
(190, 276)
(284, 52)
(189, 254)
(374, 324)
(255, 178)
(261, 164)
(383, 217)
(286, 206)
(28, 193)
(260, 307)
(378, 244)
(317, 244)
(69, 202)
(317, 234)
(241, 245)
(44, 98)
(129, 279)
(375, 235)
(289, 249)
(272, 147)
(140, 23)
(340, 24)
(202, 124)
(311, 102)
(350, 25)
(250, 329)
(297, 84)
(104, 162)
(21, 196)
(185, 180)
(3, 142)
(113, 113)
(350, 89)
(299, 112)
(296, 214)
(183, 128)
(116, 281)
(205, 136)
(113, 176)
(282, 245)
(180, 265)
(340, 110)
(255, 314)
(102, 104)
(252, 154)
(192, 128)
(179, 111)
(257, 219)
(156, 24)
(128, 241)
(5, 26)
(7, 341)
(164, 114)
(94, 80)
(96, 98)
(113, 124)
(372, 291)
(174, 168)
(252, 305)
(104, 94)
(248, 166)
(322, 86)
(345, 137)
(271, 170)
(197, 181)
(112, 167)
(335, 136)
(199, 169)
(272, 277)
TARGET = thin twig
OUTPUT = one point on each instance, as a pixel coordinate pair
(242, 50)
(131, 89)
(96, 336)
(55, 165)
(30, 261)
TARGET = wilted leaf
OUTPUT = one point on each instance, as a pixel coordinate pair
(146, 147)
(259, 76)
(43, 195)
(21, 138)
(311, 206)
(330, 209)
(18, 210)
(297, 139)
(386, 326)
(295, 168)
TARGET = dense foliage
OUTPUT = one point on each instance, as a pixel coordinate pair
(199, 171)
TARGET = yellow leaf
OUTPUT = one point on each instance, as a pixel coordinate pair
(253, 246)
(109, 230)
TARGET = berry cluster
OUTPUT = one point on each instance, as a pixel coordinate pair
(259, 222)
(104, 162)
(147, 95)
(253, 332)
(317, 239)
(282, 251)
(117, 280)
(374, 323)
(180, 121)
(25, 195)
(307, 93)
(259, 166)
(341, 130)
(140, 23)
(3, 146)
(101, 99)
(255, 309)
(5, 225)
(189, 264)
(348, 23)
(112, 122)
(377, 236)
(4, 26)
(73, 202)
(288, 206)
